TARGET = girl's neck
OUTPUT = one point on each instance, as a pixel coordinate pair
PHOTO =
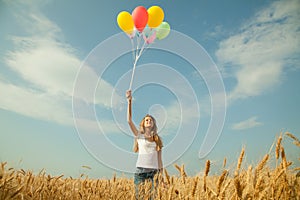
(147, 131)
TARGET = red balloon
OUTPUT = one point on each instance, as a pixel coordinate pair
(140, 18)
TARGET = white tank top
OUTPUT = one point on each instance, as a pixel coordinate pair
(148, 156)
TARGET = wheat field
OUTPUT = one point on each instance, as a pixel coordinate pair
(253, 182)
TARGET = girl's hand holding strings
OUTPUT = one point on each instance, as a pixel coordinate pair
(128, 95)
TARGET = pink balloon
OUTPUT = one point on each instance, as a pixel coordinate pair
(140, 18)
(151, 38)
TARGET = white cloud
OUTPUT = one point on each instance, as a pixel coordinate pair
(45, 63)
(45, 68)
(35, 104)
(254, 80)
(247, 124)
(263, 47)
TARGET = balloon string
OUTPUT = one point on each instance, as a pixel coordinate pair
(134, 55)
(142, 49)
(138, 40)
(138, 55)
(132, 44)
(132, 74)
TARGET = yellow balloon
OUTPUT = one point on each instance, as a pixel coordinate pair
(125, 22)
(155, 16)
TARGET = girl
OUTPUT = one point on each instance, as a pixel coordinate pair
(148, 145)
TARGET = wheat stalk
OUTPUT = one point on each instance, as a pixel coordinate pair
(220, 181)
(296, 140)
(238, 187)
(278, 145)
(195, 183)
(224, 162)
(167, 176)
(283, 157)
(263, 162)
(240, 160)
(207, 167)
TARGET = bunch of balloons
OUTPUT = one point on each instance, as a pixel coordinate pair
(143, 24)
(149, 23)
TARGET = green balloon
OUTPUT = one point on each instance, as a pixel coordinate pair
(162, 30)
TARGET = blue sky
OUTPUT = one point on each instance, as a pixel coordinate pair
(51, 57)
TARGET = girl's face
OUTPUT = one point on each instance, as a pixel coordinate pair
(148, 122)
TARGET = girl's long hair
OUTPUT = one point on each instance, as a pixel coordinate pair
(154, 136)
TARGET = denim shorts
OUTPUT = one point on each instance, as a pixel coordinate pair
(143, 174)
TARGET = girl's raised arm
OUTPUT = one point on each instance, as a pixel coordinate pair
(129, 113)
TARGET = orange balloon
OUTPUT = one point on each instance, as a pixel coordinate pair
(156, 16)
